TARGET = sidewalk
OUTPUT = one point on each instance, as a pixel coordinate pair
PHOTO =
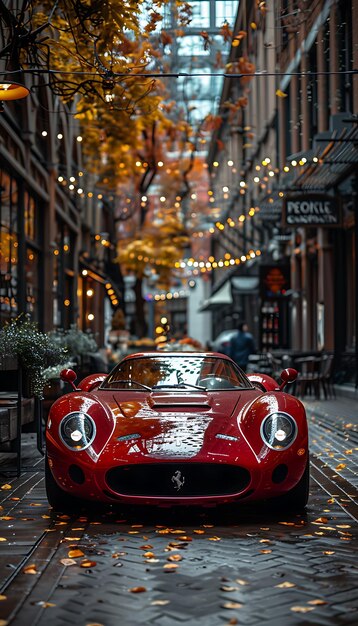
(340, 409)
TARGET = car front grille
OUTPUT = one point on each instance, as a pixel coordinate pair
(178, 479)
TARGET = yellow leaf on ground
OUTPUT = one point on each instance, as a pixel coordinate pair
(285, 585)
(317, 602)
(137, 589)
(30, 569)
(6, 487)
(301, 609)
(74, 554)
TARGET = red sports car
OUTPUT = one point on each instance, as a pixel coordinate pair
(177, 428)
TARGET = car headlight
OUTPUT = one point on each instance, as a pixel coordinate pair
(77, 430)
(278, 430)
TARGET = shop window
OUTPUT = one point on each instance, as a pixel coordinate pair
(8, 247)
(30, 217)
(32, 283)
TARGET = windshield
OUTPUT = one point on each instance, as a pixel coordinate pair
(166, 372)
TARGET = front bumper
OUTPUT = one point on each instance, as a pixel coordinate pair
(195, 481)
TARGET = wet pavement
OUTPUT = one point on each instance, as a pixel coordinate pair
(244, 565)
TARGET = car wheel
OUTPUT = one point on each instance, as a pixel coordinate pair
(59, 499)
(297, 498)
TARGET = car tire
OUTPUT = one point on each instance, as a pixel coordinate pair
(296, 499)
(57, 498)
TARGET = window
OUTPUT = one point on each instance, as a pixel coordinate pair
(8, 247)
(201, 14)
(225, 11)
(192, 46)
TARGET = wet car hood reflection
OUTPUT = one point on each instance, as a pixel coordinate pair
(174, 426)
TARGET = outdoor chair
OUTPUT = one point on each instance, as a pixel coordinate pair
(308, 380)
(326, 375)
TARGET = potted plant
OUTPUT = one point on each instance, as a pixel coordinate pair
(34, 350)
(79, 345)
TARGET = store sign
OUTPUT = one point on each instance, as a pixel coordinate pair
(274, 280)
(311, 210)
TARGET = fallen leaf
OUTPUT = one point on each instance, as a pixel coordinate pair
(228, 589)
(241, 582)
(265, 551)
(6, 487)
(74, 554)
(45, 605)
(137, 589)
(320, 520)
(214, 538)
(15, 499)
(344, 526)
(30, 569)
(281, 94)
(175, 557)
(88, 563)
(287, 523)
(328, 552)
(6, 517)
(340, 467)
(152, 561)
(3, 598)
(160, 602)
(301, 609)
(199, 532)
(185, 538)
(170, 566)
(147, 547)
(72, 539)
(3, 622)
(3, 539)
(68, 562)
(317, 602)
(348, 451)
(149, 555)
(285, 585)
(232, 605)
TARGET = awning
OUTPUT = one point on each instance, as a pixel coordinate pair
(222, 296)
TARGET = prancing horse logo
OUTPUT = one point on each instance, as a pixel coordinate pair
(178, 479)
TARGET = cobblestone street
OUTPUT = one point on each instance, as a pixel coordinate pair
(251, 565)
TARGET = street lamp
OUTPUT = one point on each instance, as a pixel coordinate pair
(12, 91)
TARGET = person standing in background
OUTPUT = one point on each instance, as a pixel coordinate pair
(241, 346)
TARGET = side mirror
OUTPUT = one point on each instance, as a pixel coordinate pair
(69, 376)
(288, 375)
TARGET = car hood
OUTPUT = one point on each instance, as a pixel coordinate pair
(175, 425)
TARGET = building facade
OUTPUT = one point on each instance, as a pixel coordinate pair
(293, 144)
(56, 254)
